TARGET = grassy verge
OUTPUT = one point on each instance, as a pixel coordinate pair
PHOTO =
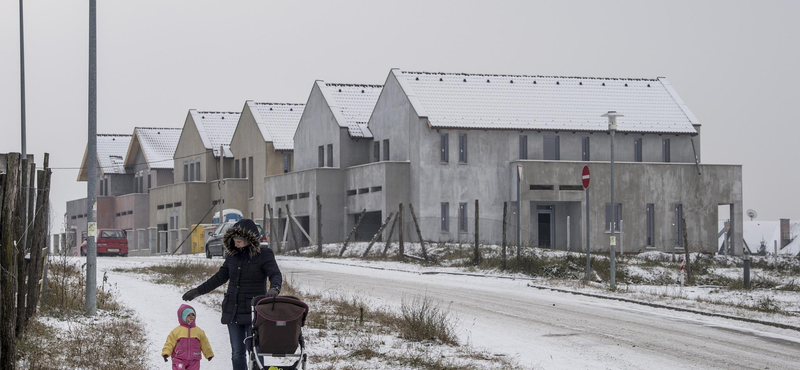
(346, 331)
(61, 337)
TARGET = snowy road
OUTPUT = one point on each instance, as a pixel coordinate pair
(543, 329)
(552, 330)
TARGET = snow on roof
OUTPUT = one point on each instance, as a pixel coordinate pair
(216, 128)
(754, 232)
(111, 148)
(158, 145)
(459, 100)
(352, 105)
(277, 122)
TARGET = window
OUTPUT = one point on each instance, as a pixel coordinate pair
(177, 204)
(649, 242)
(280, 199)
(679, 226)
(552, 152)
(386, 149)
(102, 182)
(571, 187)
(185, 171)
(304, 195)
(351, 192)
(523, 146)
(363, 190)
(611, 219)
(462, 217)
(250, 171)
(376, 151)
(244, 168)
(106, 185)
(287, 161)
(149, 181)
(197, 169)
(637, 150)
(330, 155)
(141, 183)
(291, 197)
(374, 189)
(191, 172)
(236, 171)
(160, 206)
(585, 149)
(445, 216)
(541, 187)
(462, 148)
(321, 155)
(444, 146)
(665, 150)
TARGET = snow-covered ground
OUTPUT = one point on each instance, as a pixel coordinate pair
(505, 316)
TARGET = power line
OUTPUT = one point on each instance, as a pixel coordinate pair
(137, 163)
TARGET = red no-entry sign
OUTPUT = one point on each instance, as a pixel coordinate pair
(585, 177)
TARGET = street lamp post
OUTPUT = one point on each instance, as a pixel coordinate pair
(612, 129)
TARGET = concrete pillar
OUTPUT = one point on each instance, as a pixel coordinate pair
(186, 248)
(737, 224)
(152, 240)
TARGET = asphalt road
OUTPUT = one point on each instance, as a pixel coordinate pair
(551, 330)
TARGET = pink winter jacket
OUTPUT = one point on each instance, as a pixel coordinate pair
(186, 343)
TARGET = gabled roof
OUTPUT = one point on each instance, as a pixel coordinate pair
(216, 128)
(111, 149)
(157, 144)
(480, 101)
(277, 122)
(352, 105)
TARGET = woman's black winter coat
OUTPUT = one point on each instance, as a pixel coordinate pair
(246, 272)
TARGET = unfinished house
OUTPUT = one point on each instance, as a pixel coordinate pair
(149, 161)
(112, 180)
(441, 141)
(202, 156)
(261, 146)
(332, 137)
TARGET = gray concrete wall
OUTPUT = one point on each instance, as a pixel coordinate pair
(190, 148)
(162, 177)
(139, 204)
(638, 184)
(119, 184)
(195, 199)
(317, 127)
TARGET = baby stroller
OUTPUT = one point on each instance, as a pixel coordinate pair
(276, 332)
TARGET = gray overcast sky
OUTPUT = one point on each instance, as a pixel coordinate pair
(733, 62)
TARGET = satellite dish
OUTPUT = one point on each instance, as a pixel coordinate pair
(752, 214)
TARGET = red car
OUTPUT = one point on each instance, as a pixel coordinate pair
(110, 242)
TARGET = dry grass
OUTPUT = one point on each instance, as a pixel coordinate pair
(112, 339)
(185, 272)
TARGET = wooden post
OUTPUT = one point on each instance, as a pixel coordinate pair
(273, 234)
(375, 237)
(278, 231)
(291, 229)
(689, 275)
(505, 243)
(8, 283)
(419, 234)
(347, 241)
(264, 219)
(39, 241)
(319, 227)
(477, 257)
(401, 249)
(23, 244)
(389, 238)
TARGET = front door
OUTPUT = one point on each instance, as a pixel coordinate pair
(544, 215)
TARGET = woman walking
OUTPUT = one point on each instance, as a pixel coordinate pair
(246, 269)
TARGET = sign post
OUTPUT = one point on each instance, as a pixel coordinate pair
(585, 179)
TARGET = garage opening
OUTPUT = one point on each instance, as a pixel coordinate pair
(368, 227)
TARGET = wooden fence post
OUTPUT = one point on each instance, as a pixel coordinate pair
(401, 248)
(377, 234)
(347, 241)
(8, 282)
(419, 233)
(291, 229)
(389, 238)
(476, 259)
(689, 275)
(28, 181)
(505, 243)
(278, 231)
(319, 227)
(273, 235)
(39, 239)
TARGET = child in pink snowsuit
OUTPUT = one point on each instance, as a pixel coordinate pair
(187, 342)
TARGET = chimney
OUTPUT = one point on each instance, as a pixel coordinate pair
(786, 236)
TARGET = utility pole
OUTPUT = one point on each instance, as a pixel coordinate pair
(91, 192)
(219, 182)
(22, 115)
(612, 128)
(519, 209)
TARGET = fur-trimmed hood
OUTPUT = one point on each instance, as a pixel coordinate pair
(241, 231)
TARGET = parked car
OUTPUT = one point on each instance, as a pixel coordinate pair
(214, 243)
(109, 242)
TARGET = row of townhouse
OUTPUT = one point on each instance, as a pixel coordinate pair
(437, 142)
(440, 141)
